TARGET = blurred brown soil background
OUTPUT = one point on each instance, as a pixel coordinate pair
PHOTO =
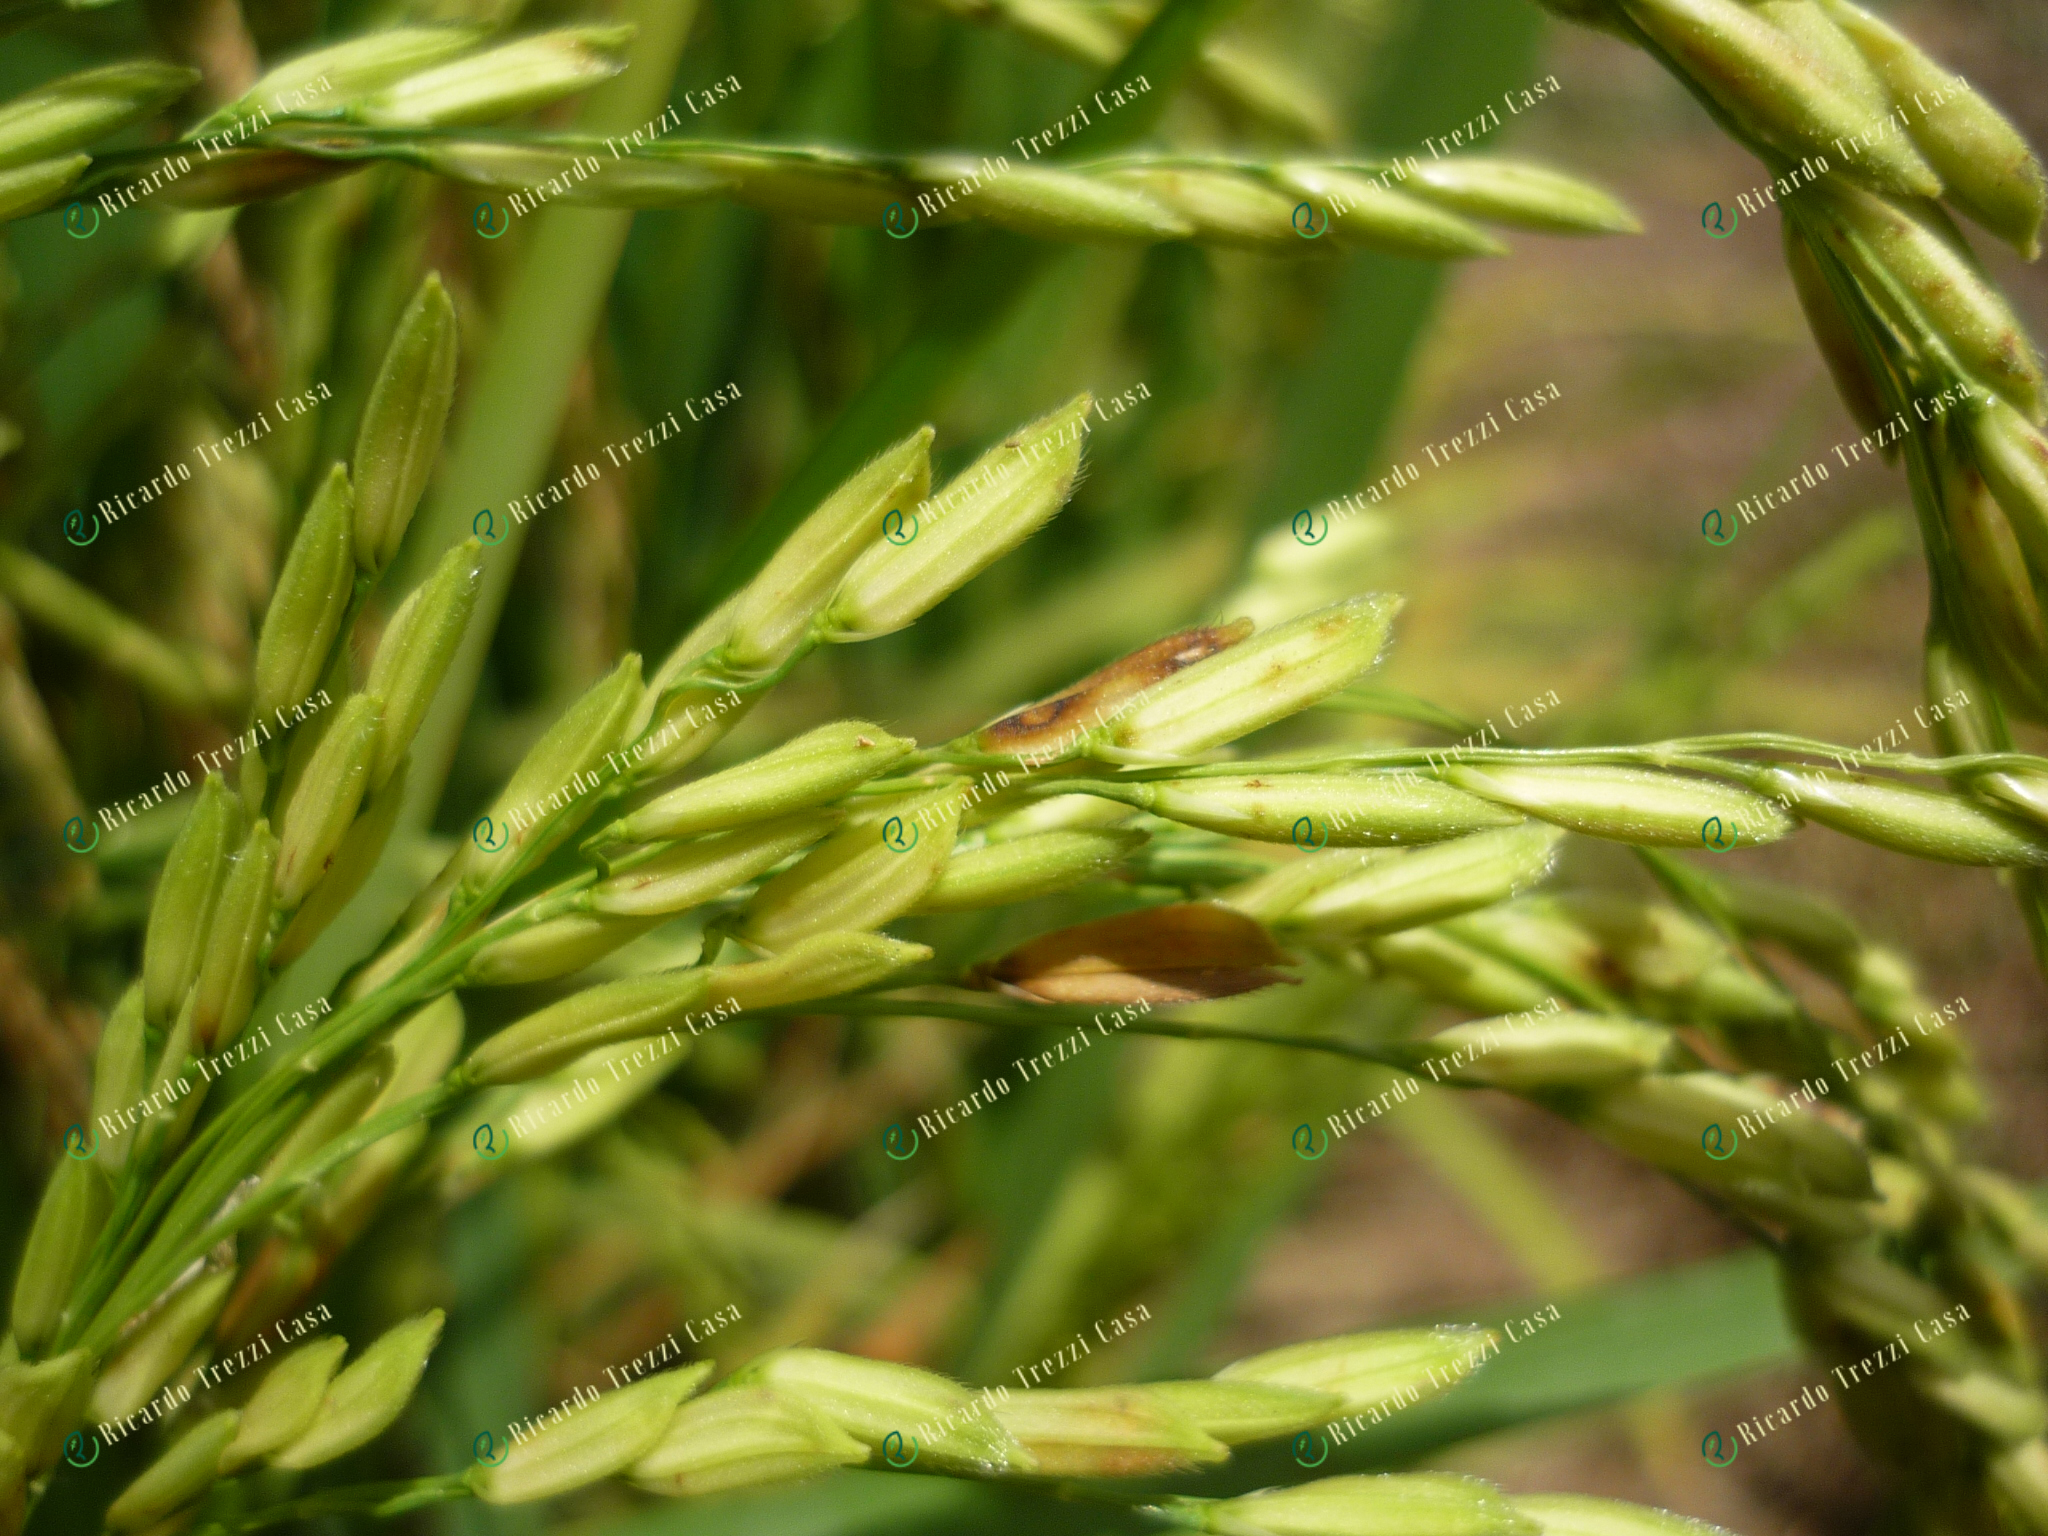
(1551, 557)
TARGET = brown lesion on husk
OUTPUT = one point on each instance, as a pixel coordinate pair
(1184, 953)
(1097, 695)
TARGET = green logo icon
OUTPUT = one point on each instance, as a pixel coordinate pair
(74, 525)
(74, 1143)
(483, 1447)
(892, 834)
(1305, 1144)
(1717, 837)
(485, 834)
(485, 527)
(1308, 1440)
(1714, 1456)
(1307, 230)
(76, 1442)
(889, 1455)
(487, 1149)
(1712, 221)
(892, 1138)
(75, 225)
(1716, 534)
(895, 535)
(1304, 835)
(74, 829)
(1714, 1131)
(1304, 526)
(482, 220)
(892, 221)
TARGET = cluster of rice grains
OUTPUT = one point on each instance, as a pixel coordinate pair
(402, 95)
(1902, 309)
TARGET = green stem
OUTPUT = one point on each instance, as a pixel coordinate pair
(95, 1278)
(281, 1186)
(150, 1272)
(380, 1501)
(1393, 704)
(456, 927)
(430, 149)
(1695, 753)
(369, 1013)
(176, 677)
(168, 1253)
(1065, 1016)
(709, 671)
(255, 1125)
